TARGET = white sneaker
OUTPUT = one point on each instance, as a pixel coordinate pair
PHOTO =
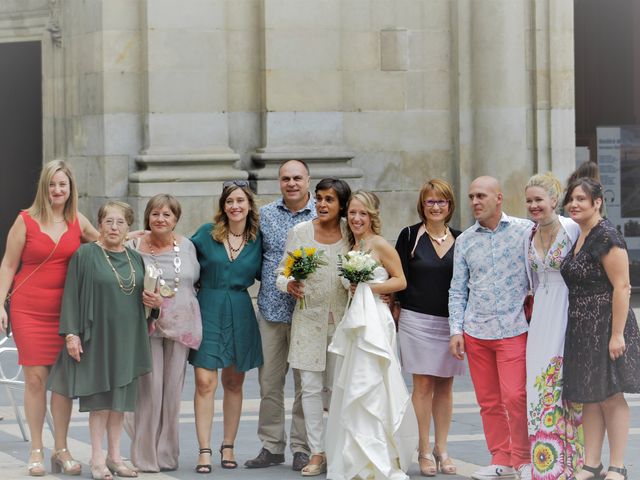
(493, 472)
(524, 471)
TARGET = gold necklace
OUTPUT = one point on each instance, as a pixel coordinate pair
(165, 290)
(127, 285)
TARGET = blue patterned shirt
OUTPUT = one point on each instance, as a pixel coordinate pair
(489, 281)
(275, 221)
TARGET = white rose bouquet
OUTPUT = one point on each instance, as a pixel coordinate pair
(357, 266)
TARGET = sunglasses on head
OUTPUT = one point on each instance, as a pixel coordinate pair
(237, 183)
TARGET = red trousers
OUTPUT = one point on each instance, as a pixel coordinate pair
(498, 371)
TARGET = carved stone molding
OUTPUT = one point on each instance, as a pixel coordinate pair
(183, 174)
(323, 162)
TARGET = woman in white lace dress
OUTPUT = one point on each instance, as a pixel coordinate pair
(325, 301)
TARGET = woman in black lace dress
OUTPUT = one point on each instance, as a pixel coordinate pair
(602, 345)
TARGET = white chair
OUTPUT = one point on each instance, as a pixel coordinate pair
(14, 381)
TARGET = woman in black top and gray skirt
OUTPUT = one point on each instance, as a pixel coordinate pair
(426, 252)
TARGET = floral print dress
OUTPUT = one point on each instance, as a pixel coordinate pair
(555, 426)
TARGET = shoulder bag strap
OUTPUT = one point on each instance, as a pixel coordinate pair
(33, 271)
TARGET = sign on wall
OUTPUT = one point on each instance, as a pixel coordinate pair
(619, 163)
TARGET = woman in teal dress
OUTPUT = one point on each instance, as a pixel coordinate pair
(230, 255)
(105, 329)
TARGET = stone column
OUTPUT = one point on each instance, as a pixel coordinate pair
(186, 136)
(302, 91)
(513, 109)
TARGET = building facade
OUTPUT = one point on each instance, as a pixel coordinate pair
(150, 96)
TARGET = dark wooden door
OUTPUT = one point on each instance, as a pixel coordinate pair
(607, 66)
(20, 129)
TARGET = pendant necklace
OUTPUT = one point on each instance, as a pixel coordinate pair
(128, 284)
(165, 290)
(438, 240)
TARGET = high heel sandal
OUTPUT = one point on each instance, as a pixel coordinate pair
(444, 464)
(431, 469)
(36, 469)
(68, 467)
(120, 469)
(596, 472)
(313, 469)
(101, 472)
(204, 467)
(621, 471)
(228, 464)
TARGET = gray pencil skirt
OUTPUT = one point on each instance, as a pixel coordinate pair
(424, 345)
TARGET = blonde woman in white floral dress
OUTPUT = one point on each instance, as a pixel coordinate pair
(555, 426)
(325, 301)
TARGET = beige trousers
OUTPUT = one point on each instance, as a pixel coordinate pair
(153, 427)
(276, 337)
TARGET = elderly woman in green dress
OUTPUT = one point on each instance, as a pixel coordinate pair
(230, 256)
(105, 329)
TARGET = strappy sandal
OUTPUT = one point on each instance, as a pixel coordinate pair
(228, 464)
(444, 464)
(621, 471)
(431, 469)
(100, 472)
(204, 467)
(596, 472)
(68, 467)
(36, 469)
(120, 469)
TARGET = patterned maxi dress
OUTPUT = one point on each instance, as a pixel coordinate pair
(555, 425)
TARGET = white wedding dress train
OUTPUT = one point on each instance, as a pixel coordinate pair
(372, 432)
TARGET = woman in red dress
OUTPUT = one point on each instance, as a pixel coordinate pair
(42, 240)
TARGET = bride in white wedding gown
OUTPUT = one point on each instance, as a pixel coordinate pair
(372, 431)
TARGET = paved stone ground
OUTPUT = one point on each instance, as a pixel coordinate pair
(466, 441)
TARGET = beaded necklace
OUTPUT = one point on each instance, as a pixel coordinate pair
(127, 285)
(234, 252)
(165, 290)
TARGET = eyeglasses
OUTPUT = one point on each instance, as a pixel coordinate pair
(433, 203)
(110, 222)
(237, 183)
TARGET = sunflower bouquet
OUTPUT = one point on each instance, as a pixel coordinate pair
(301, 263)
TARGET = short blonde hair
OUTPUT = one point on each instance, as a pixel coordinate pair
(549, 183)
(41, 207)
(125, 208)
(371, 204)
(441, 188)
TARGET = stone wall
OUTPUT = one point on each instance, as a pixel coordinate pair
(148, 96)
